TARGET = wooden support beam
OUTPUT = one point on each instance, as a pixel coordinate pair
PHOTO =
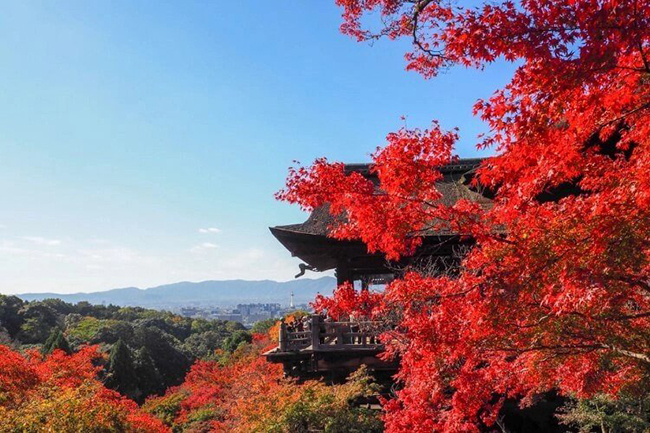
(339, 336)
(282, 338)
(343, 274)
(315, 331)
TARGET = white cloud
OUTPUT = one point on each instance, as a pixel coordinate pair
(42, 241)
(203, 247)
(13, 248)
(10, 247)
(210, 230)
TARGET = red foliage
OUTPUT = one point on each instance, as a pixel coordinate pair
(234, 395)
(61, 369)
(32, 386)
(383, 220)
(17, 375)
(562, 301)
(347, 301)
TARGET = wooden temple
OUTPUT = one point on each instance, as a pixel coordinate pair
(317, 348)
(320, 348)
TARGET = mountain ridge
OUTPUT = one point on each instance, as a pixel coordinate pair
(202, 293)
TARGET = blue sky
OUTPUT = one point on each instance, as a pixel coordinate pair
(128, 129)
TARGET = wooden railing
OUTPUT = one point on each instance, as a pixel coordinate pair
(318, 334)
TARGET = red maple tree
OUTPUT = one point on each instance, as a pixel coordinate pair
(61, 392)
(556, 292)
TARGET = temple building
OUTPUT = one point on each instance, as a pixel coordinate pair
(320, 348)
(317, 348)
(309, 240)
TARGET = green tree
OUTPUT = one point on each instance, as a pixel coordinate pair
(5, 338)
(177, 326)
(121, 375)
(334, 409)
(148, 377)
(203, 345)
(56, 341)
(112, 330)
(200, 326)
(232, 326)
(10, 318)
(607, 415)
(263, 326)
(172, 362)
(39, 318)
(238, 337)
(60, 307)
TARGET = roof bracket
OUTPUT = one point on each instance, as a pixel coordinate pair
(303, 268)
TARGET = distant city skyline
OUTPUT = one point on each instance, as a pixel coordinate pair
(142, 143)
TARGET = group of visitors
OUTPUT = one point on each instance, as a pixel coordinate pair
(299, 325)
(351, 331)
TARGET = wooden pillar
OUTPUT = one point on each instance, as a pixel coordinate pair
(339, 335)
(315, 332)
(343, 273)
(282, 338)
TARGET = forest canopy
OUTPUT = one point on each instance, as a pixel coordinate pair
(90, 366)
(148, 351)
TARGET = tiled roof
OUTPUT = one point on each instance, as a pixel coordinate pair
(453, 187)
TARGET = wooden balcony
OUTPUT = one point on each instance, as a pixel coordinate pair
(317, 347)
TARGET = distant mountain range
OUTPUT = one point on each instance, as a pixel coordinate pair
(206, 293)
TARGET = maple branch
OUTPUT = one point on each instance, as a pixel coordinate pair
(550, 29)
(630, 354)
(636, 282)
(581, 347)
(624, 115)
(420, 6)
(630, 316)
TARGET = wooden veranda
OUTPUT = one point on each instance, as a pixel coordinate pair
(317, 347)
(334, 349)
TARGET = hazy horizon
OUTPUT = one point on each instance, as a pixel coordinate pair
(325, 275)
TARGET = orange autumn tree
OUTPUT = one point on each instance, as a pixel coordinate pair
(61, 392)
(555, 295)
(245, 393)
